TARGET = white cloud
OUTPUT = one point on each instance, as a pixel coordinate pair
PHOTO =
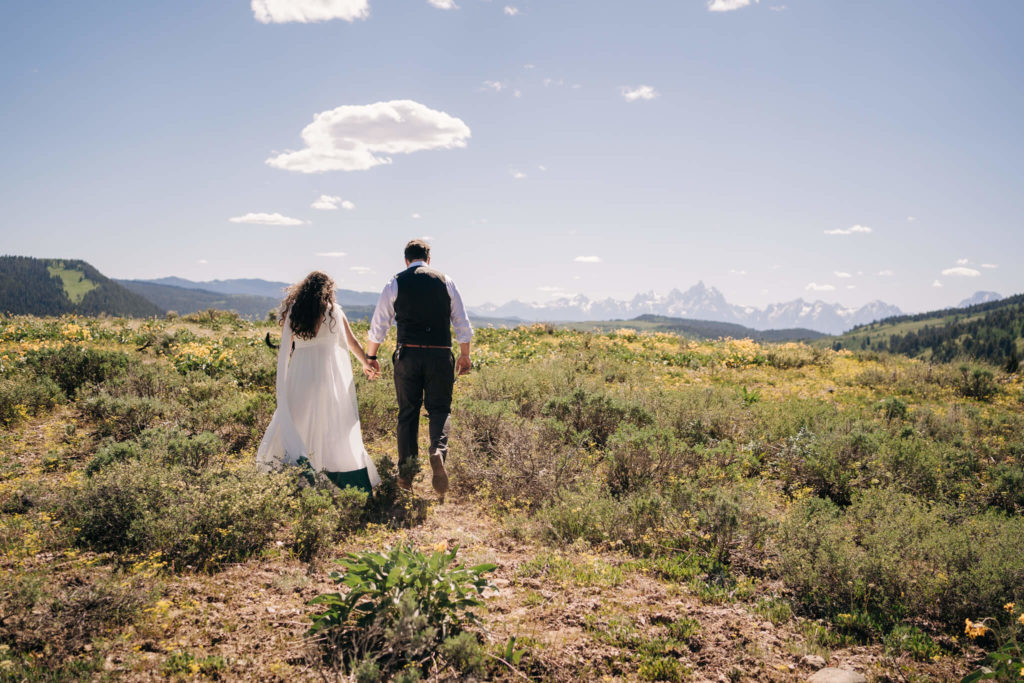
(443, 4)
(496, 86)
(733, 271)
(962, 262)
(529, 66)
(518, 175)
(778, 8)
(548, 82)
(815, 287)
(358, 137)
(511, 11)
(587, 259)
(362, 270)
(911, 219)
(936, 283)
(851, 286)
(550, 288)
(839, 273)
(517, 93)
(640, 92)
(306, 11)
(331, 254)
(727, 5)
(989, 265)
(885, 273)
(416, 216)
(266, 219)
(542, 167)
(960, 270)
(202, 262)
(849, 231)
(427, 238)
(327, 202)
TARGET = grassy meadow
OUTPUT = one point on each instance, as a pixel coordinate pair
(624, 506)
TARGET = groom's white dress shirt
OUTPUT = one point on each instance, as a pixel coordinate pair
(384, 314)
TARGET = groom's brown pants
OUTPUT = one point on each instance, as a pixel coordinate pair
(423, 377)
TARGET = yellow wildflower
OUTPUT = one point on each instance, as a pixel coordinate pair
(975, 629)
(1009, 606)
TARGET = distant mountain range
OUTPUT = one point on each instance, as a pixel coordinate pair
(57, 286)
(980, 298)
(698, 302)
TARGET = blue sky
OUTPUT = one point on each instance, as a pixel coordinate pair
(662, 141)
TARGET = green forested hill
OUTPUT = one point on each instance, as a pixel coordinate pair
(992, 332)
(57, 286)
(697, 329)
(187, 300)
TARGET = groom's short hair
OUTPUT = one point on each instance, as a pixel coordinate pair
(417, 250)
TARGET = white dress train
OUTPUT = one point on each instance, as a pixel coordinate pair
(317, 414)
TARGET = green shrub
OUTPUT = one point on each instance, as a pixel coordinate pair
(514, 460)
(399, 607)
(894, 408)
(124, 417)
(975, 382)
(184, 663)
(464, 653)
(832, 463)
(784, 356)
(639, 457)
(378, 411)
(72, 366)
(323, 517)
(200, 520)
(593, 416)
(193, 451)
(912, 641)
(662, 668)
(22, 395)
(892, 557)
(705, 416)
(1005, 488)
(119, 451)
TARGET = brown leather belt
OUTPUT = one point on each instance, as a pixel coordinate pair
(424, 346)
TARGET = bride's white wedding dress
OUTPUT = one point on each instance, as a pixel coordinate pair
(317, 415)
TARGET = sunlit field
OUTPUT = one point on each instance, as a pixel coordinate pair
(627, 506)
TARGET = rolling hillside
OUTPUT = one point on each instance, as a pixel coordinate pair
(56, 286)
(698, 329)
(184, 300)
(992, 332)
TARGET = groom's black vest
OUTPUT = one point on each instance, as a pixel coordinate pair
(423, 307)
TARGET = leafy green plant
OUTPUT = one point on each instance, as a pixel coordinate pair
(749, 397)
(400, 606)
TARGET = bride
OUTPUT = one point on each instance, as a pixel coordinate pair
(317, 417)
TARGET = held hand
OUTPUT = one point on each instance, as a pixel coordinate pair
(462, 365)
(371, 369)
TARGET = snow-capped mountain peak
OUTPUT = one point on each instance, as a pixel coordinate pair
(699, 302)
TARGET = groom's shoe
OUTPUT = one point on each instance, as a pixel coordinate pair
(404, 483)
(440, 479)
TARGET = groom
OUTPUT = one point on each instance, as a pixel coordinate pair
(422, 301)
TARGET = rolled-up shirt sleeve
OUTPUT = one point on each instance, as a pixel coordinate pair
(384, 314)
(460, 320)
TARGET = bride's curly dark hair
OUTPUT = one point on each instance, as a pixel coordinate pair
(307, 303)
